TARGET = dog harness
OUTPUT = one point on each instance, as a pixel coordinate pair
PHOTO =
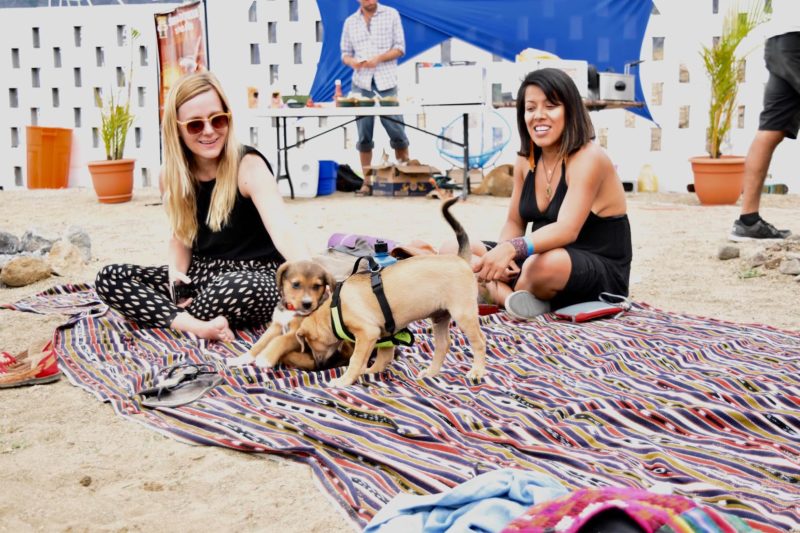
(404, 337)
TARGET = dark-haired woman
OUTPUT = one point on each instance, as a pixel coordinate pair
(566, 187)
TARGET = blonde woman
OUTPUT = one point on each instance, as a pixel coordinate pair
(230, 229)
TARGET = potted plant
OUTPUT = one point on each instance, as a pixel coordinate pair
(113, 177)
(718, 178)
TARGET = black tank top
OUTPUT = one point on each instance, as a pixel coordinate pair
(244, 237)
(608, 237)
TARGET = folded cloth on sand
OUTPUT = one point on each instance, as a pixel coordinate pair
(484, 503)
(649, 512)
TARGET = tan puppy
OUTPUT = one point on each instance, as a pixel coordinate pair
(303, 285)
(498, 182)
(439, 287)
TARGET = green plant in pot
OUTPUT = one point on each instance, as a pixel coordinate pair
(718, 178)
(113, 177)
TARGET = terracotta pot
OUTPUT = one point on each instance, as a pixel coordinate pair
(112, 180)
(718, 181)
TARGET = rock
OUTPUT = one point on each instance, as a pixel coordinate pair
(80, 238)
(85, 481)
(790, 267)
(34, 241)
(65, 257)
(9, 244)
(756, 260)
(727, 251)
(24, 270)
(772, 263)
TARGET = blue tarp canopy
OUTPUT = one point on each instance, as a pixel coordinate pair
(605, 33)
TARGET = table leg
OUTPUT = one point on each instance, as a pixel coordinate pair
(466, 190)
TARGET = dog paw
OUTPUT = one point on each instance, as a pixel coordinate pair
(242, 360)
(476, 374)
(428, 373)
(262, 362)
(339, 383)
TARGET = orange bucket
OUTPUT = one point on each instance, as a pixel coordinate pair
(49, 151)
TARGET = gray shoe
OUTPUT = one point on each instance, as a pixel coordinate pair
(760, 230)
(523, 305)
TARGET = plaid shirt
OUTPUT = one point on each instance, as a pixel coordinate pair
(384, 33)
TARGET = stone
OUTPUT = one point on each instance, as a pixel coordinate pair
(24, 270)
(9, 243)
(772, 263)
(756, 260)
(78, 236)
(34, 240)
(65, 257)
(727, 251)
(790, 267)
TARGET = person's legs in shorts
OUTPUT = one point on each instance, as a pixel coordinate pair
(780, 118)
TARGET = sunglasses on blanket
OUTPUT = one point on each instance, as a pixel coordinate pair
(196, 126)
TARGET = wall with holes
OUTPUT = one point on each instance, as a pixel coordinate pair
(53, 59)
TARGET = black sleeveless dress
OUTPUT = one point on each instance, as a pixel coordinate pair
(244, 237)
(601, 255)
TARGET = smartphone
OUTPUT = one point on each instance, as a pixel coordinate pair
(585, 311)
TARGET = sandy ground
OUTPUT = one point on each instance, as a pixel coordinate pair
(53, 436)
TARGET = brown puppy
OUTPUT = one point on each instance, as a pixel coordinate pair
(439, 287)
(303, 286)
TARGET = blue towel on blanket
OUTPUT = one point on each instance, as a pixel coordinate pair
(485, 503)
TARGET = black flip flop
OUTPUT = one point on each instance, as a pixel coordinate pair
(183, 384)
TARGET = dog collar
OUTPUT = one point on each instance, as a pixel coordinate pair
(404, 337)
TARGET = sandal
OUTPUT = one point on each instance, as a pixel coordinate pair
(184, 383)
(29, 368)
(365, 190)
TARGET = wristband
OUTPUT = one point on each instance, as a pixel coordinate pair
(523, 247)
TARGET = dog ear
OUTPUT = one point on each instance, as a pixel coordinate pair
(279, 277)
(330, 281)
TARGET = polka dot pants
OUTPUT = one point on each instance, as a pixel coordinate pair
(244, 292)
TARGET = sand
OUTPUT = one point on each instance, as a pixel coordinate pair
(67, 462)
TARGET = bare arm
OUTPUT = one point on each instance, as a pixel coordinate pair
(257, 183)
(179, 256)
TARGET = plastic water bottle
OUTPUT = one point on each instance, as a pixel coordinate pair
(382, 256)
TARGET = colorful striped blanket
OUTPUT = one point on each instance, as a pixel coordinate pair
(709, 407)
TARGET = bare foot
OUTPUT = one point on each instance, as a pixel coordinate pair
(215, 329)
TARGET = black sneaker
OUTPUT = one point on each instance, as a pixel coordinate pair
(760, 230)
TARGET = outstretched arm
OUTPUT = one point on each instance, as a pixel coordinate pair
(257, 183)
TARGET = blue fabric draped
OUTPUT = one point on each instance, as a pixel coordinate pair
(606, 33)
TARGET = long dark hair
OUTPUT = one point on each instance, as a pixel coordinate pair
(559, 88)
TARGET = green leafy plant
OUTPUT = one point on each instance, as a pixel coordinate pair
(115, 115)
(722, 64)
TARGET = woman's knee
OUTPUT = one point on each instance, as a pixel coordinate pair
(546, 273)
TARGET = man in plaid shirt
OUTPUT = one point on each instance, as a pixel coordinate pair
(372, 40)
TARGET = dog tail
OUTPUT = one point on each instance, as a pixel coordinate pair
(464, 251)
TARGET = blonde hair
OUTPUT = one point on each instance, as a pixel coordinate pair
(179, 181)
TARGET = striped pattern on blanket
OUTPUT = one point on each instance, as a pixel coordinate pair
(711, 408)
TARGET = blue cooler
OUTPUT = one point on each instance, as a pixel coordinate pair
(327, 177)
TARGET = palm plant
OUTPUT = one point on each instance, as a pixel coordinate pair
(116, 116)
(722, 63)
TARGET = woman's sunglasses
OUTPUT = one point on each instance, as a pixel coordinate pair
(196, 126)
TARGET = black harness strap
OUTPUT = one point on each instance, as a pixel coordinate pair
(403, 337)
